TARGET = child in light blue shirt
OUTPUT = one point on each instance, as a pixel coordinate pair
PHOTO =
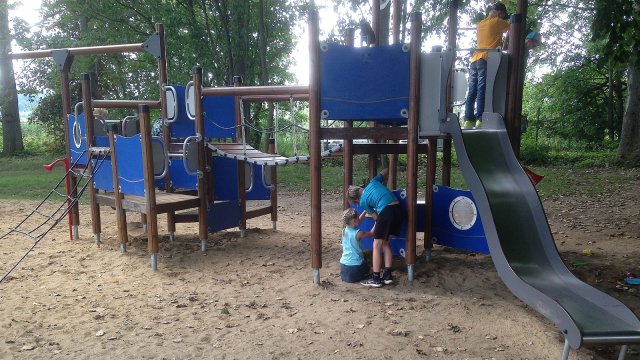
(353, 265)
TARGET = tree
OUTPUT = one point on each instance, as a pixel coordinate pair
(9, 112)
(617, 23)
(222, 36)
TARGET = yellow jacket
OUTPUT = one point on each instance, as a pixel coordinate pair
(490, 32)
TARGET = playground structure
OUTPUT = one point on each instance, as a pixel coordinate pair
(414, 89)
(415, 96)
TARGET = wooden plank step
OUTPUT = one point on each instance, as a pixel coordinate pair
(165, 202)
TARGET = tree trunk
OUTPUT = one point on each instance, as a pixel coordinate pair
(264, 71)
(610, 104)
(629, 148)
(10, 114)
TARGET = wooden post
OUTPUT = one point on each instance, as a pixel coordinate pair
(375, 24)
(514, 99)
(428, 192)
(149, 182)
(240, 136)
(347, 142)
(393, 158)
(412, 138)
(166, 127)
(315, 167)
(203, 216)
(274, 185)
(451, 46)
(88, 123)
(121, 217)
(66, 111)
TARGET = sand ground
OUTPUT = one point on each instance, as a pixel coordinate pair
(253, 297)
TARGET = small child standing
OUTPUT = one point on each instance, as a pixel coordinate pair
(353, 266)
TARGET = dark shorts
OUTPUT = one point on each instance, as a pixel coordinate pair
(354, 273)
(389, 222)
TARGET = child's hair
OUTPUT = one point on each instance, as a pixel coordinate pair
(101, 113)
(349, 215)
(353, 193)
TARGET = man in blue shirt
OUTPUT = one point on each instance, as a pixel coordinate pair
(379, 201)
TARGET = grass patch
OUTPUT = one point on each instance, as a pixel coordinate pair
(565, 180)
(25, 178)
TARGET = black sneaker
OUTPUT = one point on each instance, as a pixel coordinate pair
(373, 282)
(387, 279)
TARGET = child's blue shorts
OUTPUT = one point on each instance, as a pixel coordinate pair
(354, 273)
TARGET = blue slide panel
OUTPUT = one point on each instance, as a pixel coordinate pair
(364, 83)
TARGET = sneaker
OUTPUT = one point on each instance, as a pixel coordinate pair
(387, 279)
(373, 282)
(468, 124)
(478, 124)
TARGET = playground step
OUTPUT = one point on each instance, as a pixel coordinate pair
(165, 202)
(99, 151)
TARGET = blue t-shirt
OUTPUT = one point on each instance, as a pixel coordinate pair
(351, 250)
(376, 196)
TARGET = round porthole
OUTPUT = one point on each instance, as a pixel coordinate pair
(463, 213)
(77, 134)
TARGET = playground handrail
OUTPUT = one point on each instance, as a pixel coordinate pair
(125, 104)
(256, 91)
(92, 50)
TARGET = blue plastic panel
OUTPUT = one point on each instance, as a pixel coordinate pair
(364, 83)
(219, 117)
(226, 180)
(103, 178)
(223, 215)
(76, 151)
(129, 163)
(259, 191)
(179, 177)
(445, 233)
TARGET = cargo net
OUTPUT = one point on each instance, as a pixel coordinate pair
(54, 207)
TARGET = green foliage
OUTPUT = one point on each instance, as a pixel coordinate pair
(571, 104)
(221, 36)
(617, 23)
(37, 141)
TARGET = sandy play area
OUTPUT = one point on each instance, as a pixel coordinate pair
(253, 297)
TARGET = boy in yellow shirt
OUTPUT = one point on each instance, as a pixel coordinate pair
(489, 34)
